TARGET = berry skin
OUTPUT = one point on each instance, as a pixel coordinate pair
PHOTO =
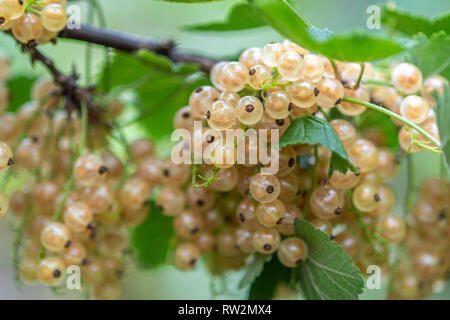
(186, 256)
(264, 188)
(289, 188)
(259, 76)
(141, 149)
(5, 156)
(364, 154)
(55, 237)
(221, 116)
(387, 164)
(229, 97)
(215, 74)
(392, 228)
(405, 140)
(17, 8)
(366, 197)
(233, 76)
(292, 252)
(349, 242)
(272, 53)
(331, 92)
(78, 216)
(54, 17)
(5, 13)
(51, 271)
(205, 242)
(326, 202)
(89, 169)
(345, 131)
(415, 109)
(74, 254)
(287, 223)
(249, 110)
(134, 193)
(344, 181)
(278, 105)
(266, 240)
(291, 65)
(199, 198)
(92, 270)
(4, 204)
(201, 100)
(183, 119)
(314, 68)
(287, 161)
(270, 214)
(386, 203)
(171, 200)
(245, 213)
(226, 244)
(227, 179)
(187, 224)
(353, 109)
(407, 78)
(322, 225)
(27, 28)
(251, 57)
(303, 93)
(28, 269)
(109, 289)
(431, 84)
(244, 239)
(99, 197)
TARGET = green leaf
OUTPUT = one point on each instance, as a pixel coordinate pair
(264, 286)
(19, 90)
(384, 123)
(151, 240)
(241, 17)
(409, 24)
(328, 273)
(355, 46)
(313, 130)
(254, 269)
(430, 55)
(442, 110)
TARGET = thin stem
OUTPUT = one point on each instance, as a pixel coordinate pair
(337, 72)
(378, 82)
(395, 116)
(358, 82)
(410, 185)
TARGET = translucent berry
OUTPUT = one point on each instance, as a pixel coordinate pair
(366, 197)
(353, 109)
(289, 188)
(17, 8)
(314, 68)
(272, 53)
(78, 216)
(245, 213)
(392, 228)
(187, 224)
(326, 202)
(291, 66)
(244, 239)
(266, 240)
(183, 119)
(5, 13)
(4, 204)
(74, 254)
(229, 97)
(141, 148)
(331, 92)
(199, 198)
(431, 84)
(51, 271)
(303, 93)
(287, 223)
(344, 181)
(322, 225)
(227, 179)
(233, 76)
(292, 252)
(259, 76)
(345, 131)
(278, 105)
(415, 109)
(221, 116)
(99, 197)
(6, 159)
(171, 200)
(405, 139)
(27, 28)
(249, 110)
(264, 188)
(269, 214)
(407, 78)
(109, 289)
(251, 57)
(89, 169)
(386, 203)
(201, 100)
(387, 164)
(186, 256)
(364, 154)
(55, 237)
(226, 244)
(54, 17)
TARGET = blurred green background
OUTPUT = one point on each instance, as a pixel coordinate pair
(163, 20)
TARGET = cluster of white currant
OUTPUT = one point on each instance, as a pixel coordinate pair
(237, 210)
(33, 20)
(86, 225)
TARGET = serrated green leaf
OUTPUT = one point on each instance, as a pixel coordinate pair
(328, 273)
(313, 130)
(442, 109)
(264, 286)
(354, 46)
(241, 17)
(430, 55)
(373, 119)
(409, 24)
(151, 240)
(254, 269)
(19, 88)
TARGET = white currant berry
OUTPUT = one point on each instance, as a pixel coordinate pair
(270, 214)
(366, 197)
(331, 92)
(303, 93)
(251, 57)
(292, 252)
(221, 116)
(314, 68)
(272, 53)
(233, 76)
(415, 109)
(78, 216)
(55, 237)
(264, 188)
(278, 105)
(291, 66)
(249, 110)
(51, 271)
(89, 169)
(353, 109)
(201, 100)
(27, 28)
(6, 159)
(186, 256)
(259, 76)
(54, 17)
(407, 78)
(4, 204)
